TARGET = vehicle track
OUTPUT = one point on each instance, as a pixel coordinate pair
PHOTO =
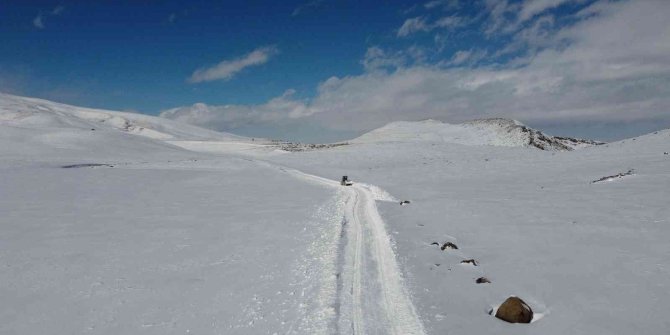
(374, 299)
(369, 287)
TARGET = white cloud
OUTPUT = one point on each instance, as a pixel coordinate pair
(58, 10)
(507, 18)
(471, 56)
(228, 117)
(450, 22)
(419, 24)
(540, 34)
(530, 8)
(38, 22)
(376, 58)
(413, 25)
(227, 69)
(461, 56)
(612, 66)
(500, 15)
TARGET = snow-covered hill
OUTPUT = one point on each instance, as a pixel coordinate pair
(496, 132)
(37, 113)
(46, 129)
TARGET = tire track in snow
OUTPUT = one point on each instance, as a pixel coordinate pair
(400, 317)
(357, 323)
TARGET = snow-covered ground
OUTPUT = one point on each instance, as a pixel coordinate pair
(159, 240)
(185, 230)
(589, 258)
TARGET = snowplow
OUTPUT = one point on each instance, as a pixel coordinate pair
(345, 181)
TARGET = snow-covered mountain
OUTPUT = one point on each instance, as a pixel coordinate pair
(496, 132)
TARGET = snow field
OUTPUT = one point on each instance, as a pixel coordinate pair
(164, 228)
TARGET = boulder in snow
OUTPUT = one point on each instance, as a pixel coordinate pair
(514, 310)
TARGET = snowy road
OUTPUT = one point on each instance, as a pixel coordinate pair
(371, 279)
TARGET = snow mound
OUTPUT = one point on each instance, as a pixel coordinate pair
(40, 114)
(496, 132)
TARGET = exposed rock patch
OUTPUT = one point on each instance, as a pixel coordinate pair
(616, 176)
(536, 138)
(482, 280)
(448, 245)
(90, 165)
(469, 261)
(297, 147)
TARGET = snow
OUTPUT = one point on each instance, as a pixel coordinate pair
(378, 194)
(164, 228)
(227, 147)
(37, 113)
(157, 248)
(165, 241)
(594, 255)
(436, 131)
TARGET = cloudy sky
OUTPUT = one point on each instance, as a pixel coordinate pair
(325, 70)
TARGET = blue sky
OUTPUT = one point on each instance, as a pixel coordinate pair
(324, 69)
(139, 54)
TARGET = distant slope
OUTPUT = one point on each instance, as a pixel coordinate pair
(50, 131)
(38, 113)
(496, 132)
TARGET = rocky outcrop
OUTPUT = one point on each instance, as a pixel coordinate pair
(534, 138)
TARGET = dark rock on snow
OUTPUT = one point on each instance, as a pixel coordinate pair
(448, 245)
(482, 280)
(469, 261)
(514, 310)
(616, 176)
